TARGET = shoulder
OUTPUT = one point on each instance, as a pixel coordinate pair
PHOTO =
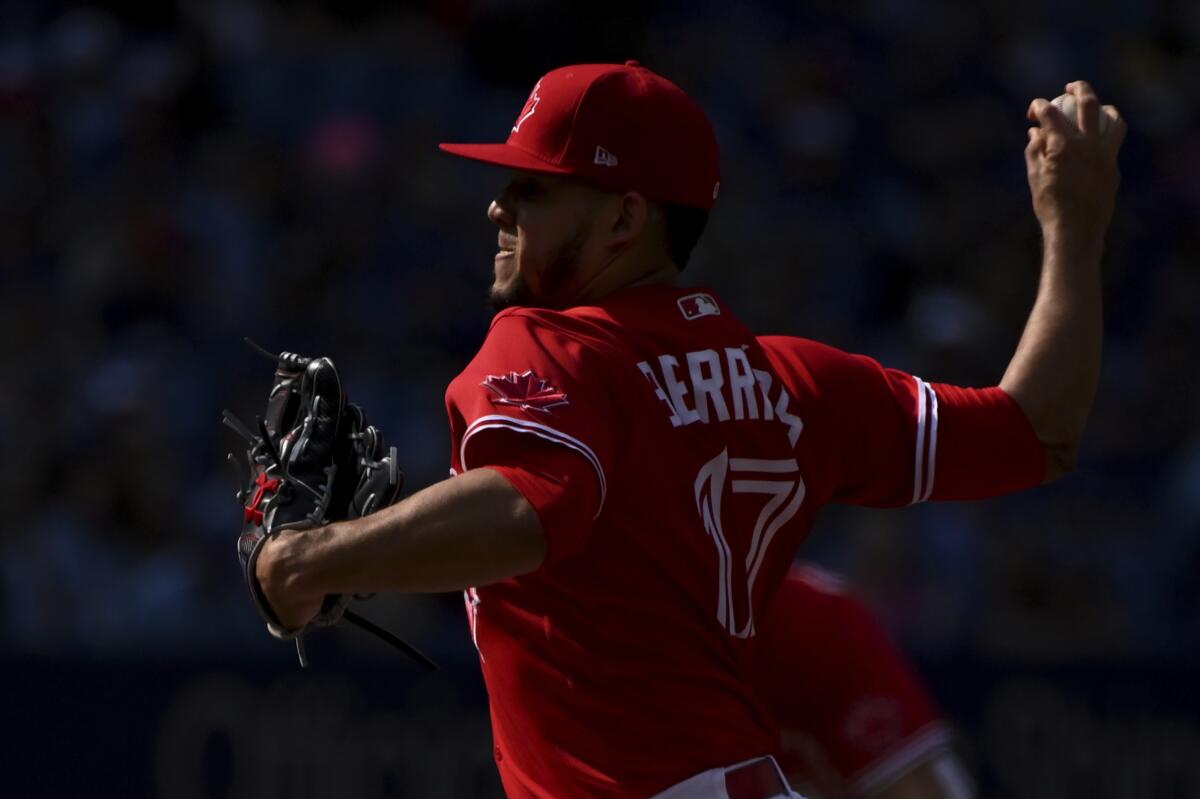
(820, 369)
(808, 367)
(580, 322)
(533, 349)
(517, 330)
(803, 352)
(575, 333)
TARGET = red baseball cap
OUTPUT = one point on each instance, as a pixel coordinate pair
(617, 126)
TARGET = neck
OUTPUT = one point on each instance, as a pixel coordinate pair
(664, 273)
(623, 272)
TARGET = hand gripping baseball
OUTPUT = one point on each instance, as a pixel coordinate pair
(313, 460)
(1072, 163)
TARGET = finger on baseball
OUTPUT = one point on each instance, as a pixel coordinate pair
(1050, 117)
(1079, 88)
(1029, 114)
(1087, 106)
(1116, 126)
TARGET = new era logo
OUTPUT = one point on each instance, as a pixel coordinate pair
(694, 306)
(604, 157)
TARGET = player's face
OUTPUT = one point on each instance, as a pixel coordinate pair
(544, 241)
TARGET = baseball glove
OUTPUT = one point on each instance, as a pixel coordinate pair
(313, 460)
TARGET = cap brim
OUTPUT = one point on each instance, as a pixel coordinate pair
(504, 155)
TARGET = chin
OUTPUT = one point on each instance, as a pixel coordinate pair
(503, 296)
(515, 292)
(497, 298)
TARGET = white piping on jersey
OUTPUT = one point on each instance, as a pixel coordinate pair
(471, 599)
(541, 431)
(925, 458)
(920, 747)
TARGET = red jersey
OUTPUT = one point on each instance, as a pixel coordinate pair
(845, 699)
(677, 462)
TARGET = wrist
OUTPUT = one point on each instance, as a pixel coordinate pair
(286, 563)
(1080, 240)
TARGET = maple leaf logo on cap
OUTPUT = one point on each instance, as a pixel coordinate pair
(530, 107)
(526, 391)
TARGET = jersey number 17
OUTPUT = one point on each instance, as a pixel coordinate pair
(780, 482)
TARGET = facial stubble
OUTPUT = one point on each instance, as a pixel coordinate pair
(558, 274)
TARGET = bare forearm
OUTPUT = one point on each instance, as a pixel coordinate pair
(470, 530)
(1073, 179)
(1056, 367)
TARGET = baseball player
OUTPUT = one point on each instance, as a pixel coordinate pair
(634, 470)
(856, 722)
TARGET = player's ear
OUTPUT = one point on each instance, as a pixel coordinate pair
(629, 217)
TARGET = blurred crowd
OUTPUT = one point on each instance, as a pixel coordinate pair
(179, 176)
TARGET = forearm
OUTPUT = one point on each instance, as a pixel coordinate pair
(1056, 367)
(1073, 178)
(469, 530)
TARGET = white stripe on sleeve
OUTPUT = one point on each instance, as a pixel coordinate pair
(933, 440)
(918, 460)
(541, 431)
(925, 457)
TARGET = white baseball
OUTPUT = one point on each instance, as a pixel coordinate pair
(1066, 103)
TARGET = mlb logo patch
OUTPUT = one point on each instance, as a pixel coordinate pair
(694, 306)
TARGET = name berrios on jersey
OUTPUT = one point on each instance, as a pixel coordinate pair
(723, 386)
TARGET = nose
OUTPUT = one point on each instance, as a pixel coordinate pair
(500, 215)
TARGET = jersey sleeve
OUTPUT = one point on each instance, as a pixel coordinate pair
(888, 438)
(534, 405)
(557, 483)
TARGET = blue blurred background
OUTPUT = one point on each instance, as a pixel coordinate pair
(177, 176)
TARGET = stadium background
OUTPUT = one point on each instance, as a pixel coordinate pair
(165, 170)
